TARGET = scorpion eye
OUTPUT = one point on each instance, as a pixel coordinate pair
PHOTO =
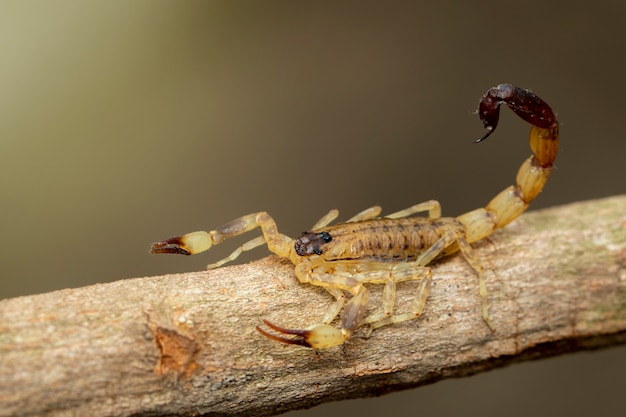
(325, 237)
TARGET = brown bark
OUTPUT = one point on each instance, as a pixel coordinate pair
(186, 344)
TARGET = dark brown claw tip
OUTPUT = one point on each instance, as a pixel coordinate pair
(298, 340)
(172, 245)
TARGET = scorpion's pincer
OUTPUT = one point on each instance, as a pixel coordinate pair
(173, 245)
(189, 244)
(317, 336)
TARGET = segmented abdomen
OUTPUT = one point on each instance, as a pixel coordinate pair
(380, 238)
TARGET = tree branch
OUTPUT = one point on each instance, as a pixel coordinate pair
(186, 344)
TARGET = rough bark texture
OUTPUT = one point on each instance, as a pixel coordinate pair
(186, 344)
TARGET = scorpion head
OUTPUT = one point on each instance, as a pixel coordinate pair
(311, 243)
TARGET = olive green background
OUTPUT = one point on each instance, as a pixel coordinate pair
(126, 122)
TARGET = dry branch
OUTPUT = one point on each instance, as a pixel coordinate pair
(186, 344)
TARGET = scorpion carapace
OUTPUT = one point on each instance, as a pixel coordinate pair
(369, 249)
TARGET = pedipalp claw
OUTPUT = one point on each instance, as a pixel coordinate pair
(317, 336)
(189, 244)
(172, 245)
(299, 340)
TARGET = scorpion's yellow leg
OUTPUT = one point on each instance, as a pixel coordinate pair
(327, 219)
(385, 317)
(466, 250)
(314, 271)
(348, 275)
(249, 245)
(432, 207)
(367, 214)
(424, 275)
(418, 271)
(402, 272)
(323, 335)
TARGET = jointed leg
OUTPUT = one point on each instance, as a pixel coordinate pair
(390, 274)
(326, 220)
(249, 245)
(432, 207)
(473, 260)
(417, 271)
(350, 276)
(417, 306)
(367, 214)
(333, 311)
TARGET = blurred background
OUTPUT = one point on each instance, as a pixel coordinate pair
(124, 123)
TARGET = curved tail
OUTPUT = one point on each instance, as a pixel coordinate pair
(534, 172)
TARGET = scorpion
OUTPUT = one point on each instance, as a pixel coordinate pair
(369, 249)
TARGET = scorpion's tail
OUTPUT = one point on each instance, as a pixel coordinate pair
(534, 172)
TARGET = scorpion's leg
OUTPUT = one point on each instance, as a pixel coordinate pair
(347, 275)
(388, 273)
(333, 311)
(249, 245)
(201, 241)
(335, 282)
(329, 281)
(473, 260)
(322, 335)
(418, 271)
(404, 272)
(327, 219)
(432, 207)
(367, 214)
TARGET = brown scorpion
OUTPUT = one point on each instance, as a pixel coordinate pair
(369, 249)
